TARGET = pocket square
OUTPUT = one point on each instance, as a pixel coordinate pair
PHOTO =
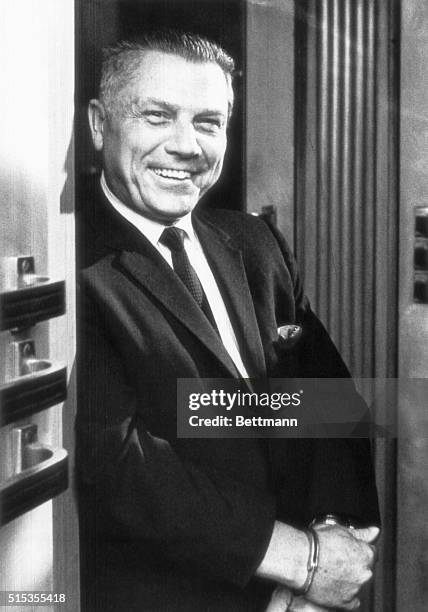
(289, 335)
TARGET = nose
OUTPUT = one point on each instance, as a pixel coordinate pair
(183, 141)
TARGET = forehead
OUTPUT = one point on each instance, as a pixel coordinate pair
(178, 82)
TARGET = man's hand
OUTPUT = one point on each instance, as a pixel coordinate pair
(345, 565)
(301, 604)
(283, 601)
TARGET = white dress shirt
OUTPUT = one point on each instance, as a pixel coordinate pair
(152, 230)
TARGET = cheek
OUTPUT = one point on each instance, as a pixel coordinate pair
(218, 168)
(127, 143)
(216, 157)
(118, 153)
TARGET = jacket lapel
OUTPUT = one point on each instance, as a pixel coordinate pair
(226, 262)
(142, 261)
(152, 272)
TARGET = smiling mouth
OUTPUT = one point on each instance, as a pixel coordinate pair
(171, 173)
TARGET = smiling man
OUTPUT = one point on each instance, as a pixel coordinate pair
(169, 290)
(163, 146)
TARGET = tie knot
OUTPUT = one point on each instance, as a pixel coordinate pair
(173, 238)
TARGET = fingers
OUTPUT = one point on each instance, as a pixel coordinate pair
(300, 604)
(366, 534)
(366, 577)
(354, 604)
(371, 556)
(280, 600)
(346, 562)
(375, 553)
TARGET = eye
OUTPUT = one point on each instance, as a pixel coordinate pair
(211, 125)
(157, 117)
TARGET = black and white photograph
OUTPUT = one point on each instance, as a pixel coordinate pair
(214, 305)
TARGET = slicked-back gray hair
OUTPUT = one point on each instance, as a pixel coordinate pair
(122, 60)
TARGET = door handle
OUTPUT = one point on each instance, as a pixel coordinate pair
(26, 450)
(39, 473)
(26, 297)
(31, 384)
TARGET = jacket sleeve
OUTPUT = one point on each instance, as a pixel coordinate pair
(146, 490)
(336, 475)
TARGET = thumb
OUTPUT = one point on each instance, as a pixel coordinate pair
(366, 534)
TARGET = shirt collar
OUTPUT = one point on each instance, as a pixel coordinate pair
(152, 230)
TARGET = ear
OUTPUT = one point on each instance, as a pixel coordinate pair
(96, 116)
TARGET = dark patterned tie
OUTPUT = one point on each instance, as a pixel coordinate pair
(173, 238)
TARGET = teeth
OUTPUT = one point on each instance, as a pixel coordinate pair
(173, 174)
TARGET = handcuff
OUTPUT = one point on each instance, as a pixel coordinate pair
(314, 547)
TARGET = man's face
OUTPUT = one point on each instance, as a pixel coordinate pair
(163, 146)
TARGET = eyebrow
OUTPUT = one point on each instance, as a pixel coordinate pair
(174, 108)
(158, 102)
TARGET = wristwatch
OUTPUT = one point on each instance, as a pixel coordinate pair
(332, 519)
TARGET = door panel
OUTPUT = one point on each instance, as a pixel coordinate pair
(412, 503)
(36, 218)
(346, 204)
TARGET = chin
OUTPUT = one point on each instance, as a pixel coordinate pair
(178, 210)
(168, 215)
(176, 214)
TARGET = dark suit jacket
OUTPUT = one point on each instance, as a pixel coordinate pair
(176, 524)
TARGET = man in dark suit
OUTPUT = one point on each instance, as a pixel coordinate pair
(169, 290)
